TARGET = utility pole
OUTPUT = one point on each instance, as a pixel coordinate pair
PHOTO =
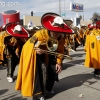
(59, 7)
(83, 17)
(64, 9)
(64, 6)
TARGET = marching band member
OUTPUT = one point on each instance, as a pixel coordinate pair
(37, 70)
(13, 47)
(68, 39)
(92, 49)
(75, 41)
(67, 44)
(3, 34)
(71, 41)
(81, 31)
(31, 28)
(86, 34)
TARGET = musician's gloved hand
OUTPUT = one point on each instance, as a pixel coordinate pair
(39, 51)
(58, 68)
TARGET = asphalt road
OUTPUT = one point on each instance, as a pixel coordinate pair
(76, 82)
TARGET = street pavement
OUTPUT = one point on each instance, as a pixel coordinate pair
(76, 82)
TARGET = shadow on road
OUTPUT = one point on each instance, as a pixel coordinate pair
(73, 81)
(11, 96)
(77, 61)
(72, 63)
(3, 91)
(77, 55)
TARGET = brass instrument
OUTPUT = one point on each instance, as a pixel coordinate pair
(56, 54)
(52, 45)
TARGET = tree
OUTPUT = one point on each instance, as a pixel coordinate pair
(80, 17)
(95, 17)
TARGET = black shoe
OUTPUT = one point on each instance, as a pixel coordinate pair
(52, 92)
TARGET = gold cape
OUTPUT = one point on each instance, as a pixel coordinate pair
(26, 71)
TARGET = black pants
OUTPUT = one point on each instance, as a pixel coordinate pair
(38, 86)
(52, 76)
(97, 71)
(45, 75)
(11, 65)
(82, 41)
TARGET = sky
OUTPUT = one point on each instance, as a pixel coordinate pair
(40, 7)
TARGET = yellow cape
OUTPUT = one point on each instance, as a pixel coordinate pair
(92, 59)
(26, 72)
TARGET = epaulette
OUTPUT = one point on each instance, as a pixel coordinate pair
(33, 39)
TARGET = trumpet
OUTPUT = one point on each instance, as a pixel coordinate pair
(52, 45)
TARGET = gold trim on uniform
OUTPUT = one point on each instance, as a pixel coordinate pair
(92, 45)
(33, 39)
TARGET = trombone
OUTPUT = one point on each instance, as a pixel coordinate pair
(56, 54)
(52, 45)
